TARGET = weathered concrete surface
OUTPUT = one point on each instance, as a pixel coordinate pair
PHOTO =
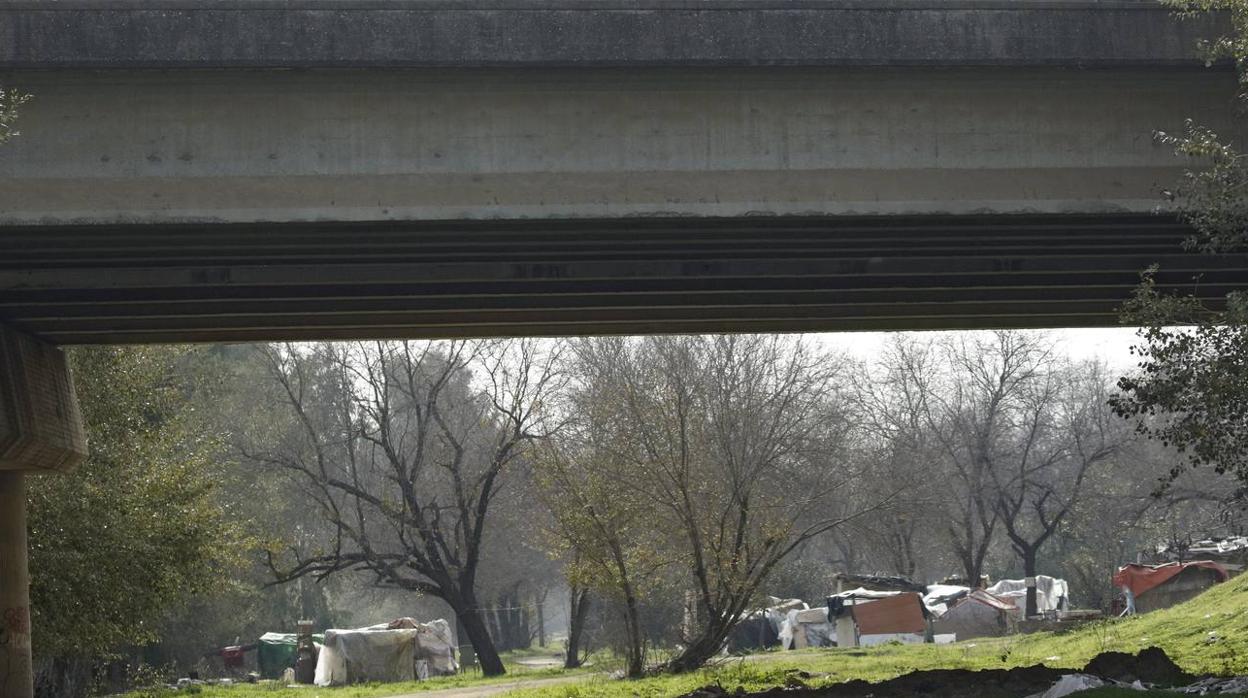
(16, 676)
(407, 145)
(292, 281)
(584, 33)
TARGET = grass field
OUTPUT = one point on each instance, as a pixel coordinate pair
(1207, 635)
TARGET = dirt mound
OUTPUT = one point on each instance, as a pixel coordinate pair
(935, 683)
(1151, 665)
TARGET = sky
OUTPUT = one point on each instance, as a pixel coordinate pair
(1109, 344)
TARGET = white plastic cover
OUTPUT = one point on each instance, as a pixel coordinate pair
(863, 593)
(1051, 593)
(384, 653)
(938, 596)
(1070, 683)
(367, 654)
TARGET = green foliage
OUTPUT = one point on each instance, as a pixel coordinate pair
(10, 100)
(1229, 47)
(1191, 390)
(136, 530)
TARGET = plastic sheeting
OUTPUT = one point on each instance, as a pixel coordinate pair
(1051, 593)
(940, 597)
(384, 653)
(275, 652)
(807, 628)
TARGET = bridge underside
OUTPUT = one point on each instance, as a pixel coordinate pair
(245, 282)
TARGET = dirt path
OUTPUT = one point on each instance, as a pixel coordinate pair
(494, 689)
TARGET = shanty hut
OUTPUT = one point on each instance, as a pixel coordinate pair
(867, 622)
(1150, 587)
(976, 614)
(401, 650)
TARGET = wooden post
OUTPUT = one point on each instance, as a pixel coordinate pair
(40, 430)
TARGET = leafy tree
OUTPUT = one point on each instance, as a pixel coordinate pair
(603, 530)
(721, 454)
(1191, 389)
(10, 100)
(137, 529)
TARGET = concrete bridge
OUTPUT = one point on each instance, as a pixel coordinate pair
(245, 169)
(210, 170)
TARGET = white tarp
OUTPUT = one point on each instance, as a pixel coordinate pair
(435, 645)
(1051, 593)
(386, 654)
(938, 597)
(864, 593)
(807, 628)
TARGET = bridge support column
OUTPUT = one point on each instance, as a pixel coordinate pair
(40, 430)
(16, 678)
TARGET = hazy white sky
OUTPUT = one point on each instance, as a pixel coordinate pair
(1109, 344)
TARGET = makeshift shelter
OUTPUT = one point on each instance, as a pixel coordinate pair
(976, 614)
(807, 628)
(1052, 594)
(276, 652)
(401, 650)
(869, 619)
(1150, 587)
(761, 628)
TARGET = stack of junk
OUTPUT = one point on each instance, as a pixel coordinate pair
(1230, 552)
(1151, 587)
(401, 650)
(888, 609)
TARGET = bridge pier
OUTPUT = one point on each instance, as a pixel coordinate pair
(16, 677)
(40, 430)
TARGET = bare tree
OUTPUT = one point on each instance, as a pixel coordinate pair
(1061, 429)
(736, 446)
(403, 446)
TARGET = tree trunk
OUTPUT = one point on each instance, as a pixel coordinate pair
(702, 648)
(474, 627)
(576, 627)
(1029, 571)
(636, 655)
(540, 601)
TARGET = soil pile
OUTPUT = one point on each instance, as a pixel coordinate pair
(1150, 666)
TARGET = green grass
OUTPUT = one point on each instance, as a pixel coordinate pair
(1182, 631)
(367, 690)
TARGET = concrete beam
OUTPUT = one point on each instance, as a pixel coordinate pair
(40, 423)
(592, 33)
(429, 279)
(275, 146)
